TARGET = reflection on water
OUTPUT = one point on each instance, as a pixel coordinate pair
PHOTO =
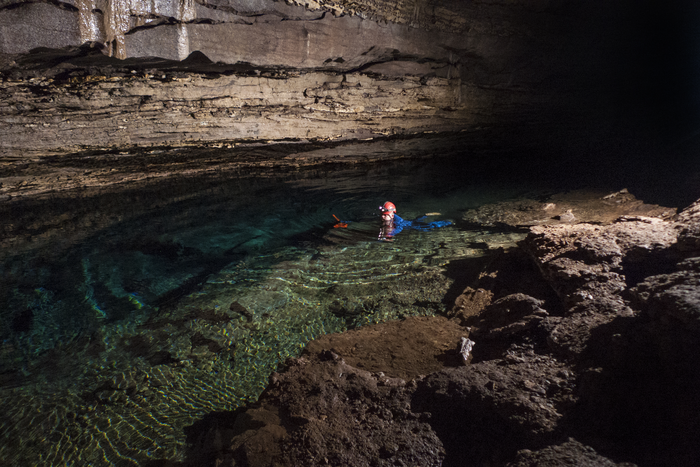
(127, 317)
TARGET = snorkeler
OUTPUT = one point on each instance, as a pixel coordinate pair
(393, 224)
(386, 233)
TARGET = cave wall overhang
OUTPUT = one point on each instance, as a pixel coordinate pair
(262, 70)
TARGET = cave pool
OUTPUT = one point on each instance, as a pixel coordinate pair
(128, 315)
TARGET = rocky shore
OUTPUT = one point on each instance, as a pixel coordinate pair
(585, 353)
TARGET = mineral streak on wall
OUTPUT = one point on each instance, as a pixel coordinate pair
(88, 21)
(117, 23)
(124, 15)
(38, 24)
(425, 14)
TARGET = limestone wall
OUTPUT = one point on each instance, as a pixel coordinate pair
(148, 109)
(318, 70)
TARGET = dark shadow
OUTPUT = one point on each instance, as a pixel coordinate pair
(201, 437)
(472, 432)
(638, 264)
(638, 393)
(464, 273)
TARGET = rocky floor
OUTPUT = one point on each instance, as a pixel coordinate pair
(586, 353)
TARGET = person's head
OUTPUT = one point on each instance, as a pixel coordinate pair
(388, 207)
(388, 210)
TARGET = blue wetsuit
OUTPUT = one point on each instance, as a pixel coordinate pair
(416, 224)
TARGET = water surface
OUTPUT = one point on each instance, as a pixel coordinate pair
(127, 316)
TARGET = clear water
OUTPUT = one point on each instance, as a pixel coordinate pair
(126, 317)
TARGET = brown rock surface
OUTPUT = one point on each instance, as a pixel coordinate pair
(673, 296)
(570, 452)
(574, 207)
(384, 347)
(585, 263)
(332, 414)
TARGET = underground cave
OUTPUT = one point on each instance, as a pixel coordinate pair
(191, 272)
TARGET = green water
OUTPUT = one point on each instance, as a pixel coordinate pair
(129, 316)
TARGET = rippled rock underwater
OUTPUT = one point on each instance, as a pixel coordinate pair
(128, 315)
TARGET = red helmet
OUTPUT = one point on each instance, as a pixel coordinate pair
(388, 206)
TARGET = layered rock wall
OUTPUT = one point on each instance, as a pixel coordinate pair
(149, 109)
(82, 74)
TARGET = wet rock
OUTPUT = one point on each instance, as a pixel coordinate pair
(673, 296)
(161, 357)
(512, 308)
(240, 309)
(689, 230)
(161, 376)
(570, 452)
(508, 273)
(110, 396)
(569, 337)
(348, 307)
(211, 314)
(257, 436)
(199, 340)
(590, 265)
(123, 381)
(402, 349)
(332, 413)
(261, 301)
(488, 409)
(470, 303)
(512, 213)
(567, 208)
